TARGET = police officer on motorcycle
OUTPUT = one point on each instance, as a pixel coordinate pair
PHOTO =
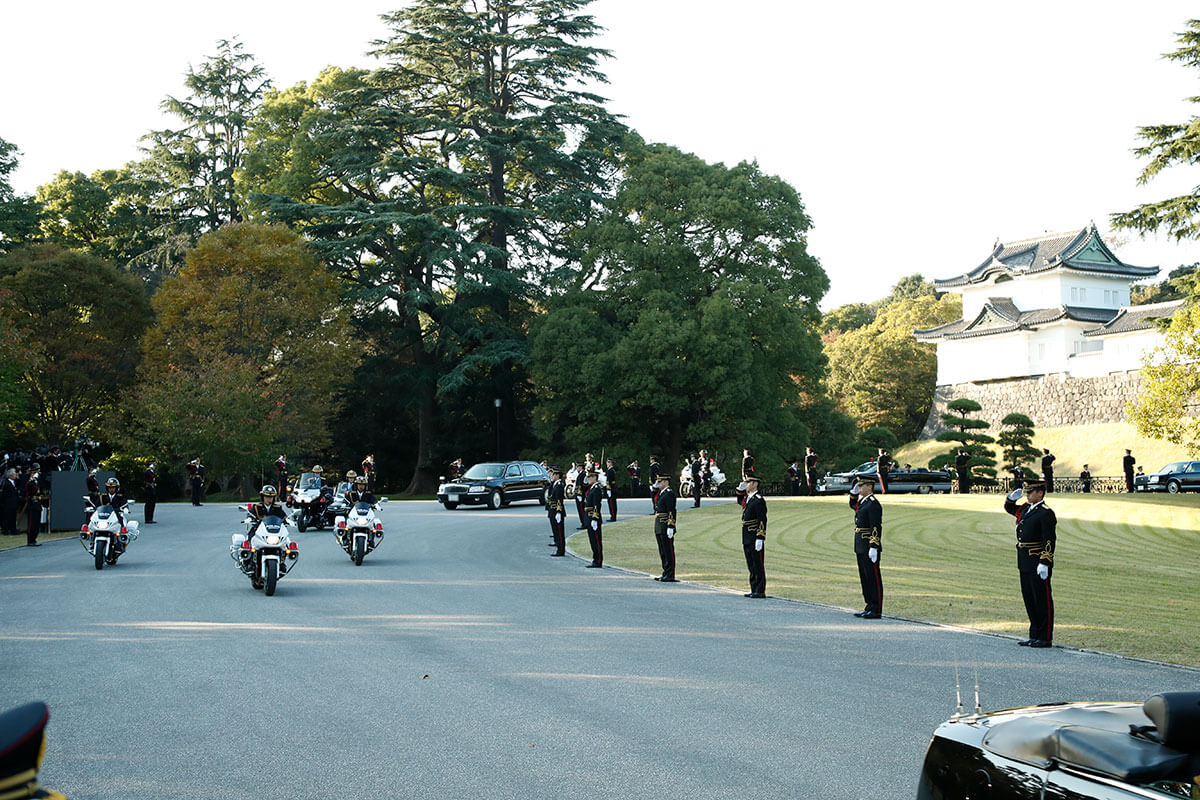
(112, 497)
(360, 493)
(268, 507)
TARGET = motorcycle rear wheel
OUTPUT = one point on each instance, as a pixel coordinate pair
(272, 568)
(360, 547)
(101, 550)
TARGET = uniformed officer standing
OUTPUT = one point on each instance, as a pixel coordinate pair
(868, 542)
(93, 486)
(591, 504)
(635, 478)
(962, 467)
(33, 507)
(610, 474)
(9, 500)
(1127, 466)
(697, 471)
(884, 463)
(196, 478)
(664, 527)
(1036, 538)
(747, 463)
(1048, 469)
(810, 470)
(368, 470)
(581, 493)
(281, 474)
(554, 510)
(754, 538)
(1085, 479)
(655, 471)
(150, 488)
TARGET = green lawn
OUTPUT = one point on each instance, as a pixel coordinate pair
(1126, 580)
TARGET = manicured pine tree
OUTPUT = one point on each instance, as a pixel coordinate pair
(1016, 441)
(966, 432)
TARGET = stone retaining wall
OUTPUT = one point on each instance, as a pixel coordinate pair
(1051, 401)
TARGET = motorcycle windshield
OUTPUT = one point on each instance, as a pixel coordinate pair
(272, 524)
(103, 512)
(362, 509)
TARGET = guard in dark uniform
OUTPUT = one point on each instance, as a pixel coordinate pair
(195, 472)
(591, 503)
(747, 463)
(655, 471)
(361, 493)
(368, 470)
(581, 494)
(281, 474)
(1127, 466)
(1048, 469)
(793, 476)
(93, 489)
(883, 463)
(664, 528)
(754, 538)
(1018, 476)
(1085, 480)
(33, 508)
(610, 475)
(868, 544)
(554, 510)
(150, 489)
(1036, 538)
(962, 468)
(697, 471)
(635, 479)
(810, 470)
(10, 498)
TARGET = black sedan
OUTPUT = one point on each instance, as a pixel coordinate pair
(496, 484)
(1176, 477)
(1069, 751)
(899, 481)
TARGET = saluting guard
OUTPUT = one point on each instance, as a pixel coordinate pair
(884, 463)
(581, 493)
(754, 538)
(654, 471)
(610, 475)
(664, 527)
(196, 478)
(1036, 538)
(697, 470)
(554, 510)
(595, 495)
(1048, 469)
(281, 474)
(810, 470)
(150, 489)
(635, 478)
(33, 508)
(962, 468)
(868, 543)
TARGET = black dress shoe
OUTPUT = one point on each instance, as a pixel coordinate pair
(859, 613)
(870, 615)
(658, 578)
(1025, 642)
(668, 580)
(748, 594)
(557, 555)
(594, 566)
(1041, 643)
(33, 544)
(759, 595)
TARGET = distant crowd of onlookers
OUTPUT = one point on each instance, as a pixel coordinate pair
(25, 484)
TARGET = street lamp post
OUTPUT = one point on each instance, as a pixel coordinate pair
(497, 402)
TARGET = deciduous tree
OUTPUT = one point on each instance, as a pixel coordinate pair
(18, 214)
(1169, 398)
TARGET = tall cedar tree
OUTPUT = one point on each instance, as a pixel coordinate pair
(1169, 145)
(966, 431)
(190, 170)
(693, 323)
(83, 319)
(250, 345)
(1016, 441)
(452, 179)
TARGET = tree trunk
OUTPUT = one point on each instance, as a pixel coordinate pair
(425, 477)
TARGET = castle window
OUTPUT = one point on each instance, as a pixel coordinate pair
(1074, 294)
(1083, 295)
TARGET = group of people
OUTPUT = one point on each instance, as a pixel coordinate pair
(1036, 537)
(367, 472)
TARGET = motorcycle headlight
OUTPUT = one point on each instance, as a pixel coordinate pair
(102, 525)
(273, 540)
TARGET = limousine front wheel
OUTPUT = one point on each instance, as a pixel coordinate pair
(924, 488)
(495, 499)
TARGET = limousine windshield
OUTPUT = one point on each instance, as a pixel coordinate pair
(481, 472)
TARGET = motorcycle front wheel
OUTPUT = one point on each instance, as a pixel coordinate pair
(272, 568)
(360, 547)
(301, 521)
(101, 551)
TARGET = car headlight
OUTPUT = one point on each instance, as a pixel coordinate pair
(477, 489)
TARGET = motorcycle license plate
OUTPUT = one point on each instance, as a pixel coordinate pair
(453, 498)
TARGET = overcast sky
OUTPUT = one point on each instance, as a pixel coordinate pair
(917, 133)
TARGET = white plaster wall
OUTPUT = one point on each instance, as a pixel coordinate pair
(983, 358)
(1049, 290)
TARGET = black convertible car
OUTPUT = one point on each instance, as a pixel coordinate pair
(1069, 751)
(899, 481)
(496, 484)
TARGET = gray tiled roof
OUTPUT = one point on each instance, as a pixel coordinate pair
(999, 317)
(1051, 251)
(1136, 318)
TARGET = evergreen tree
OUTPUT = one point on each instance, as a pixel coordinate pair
(454, 177)
(1016, 441)
(18, 214)
(966, 432)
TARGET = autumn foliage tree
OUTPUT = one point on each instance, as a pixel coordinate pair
(250, 345)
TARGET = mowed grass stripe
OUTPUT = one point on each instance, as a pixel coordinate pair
(1125, 580)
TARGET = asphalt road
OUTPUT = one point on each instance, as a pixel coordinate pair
(460, 661)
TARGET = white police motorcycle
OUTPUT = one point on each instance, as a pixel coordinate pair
(359, 531)
(265, 552)
(104, 536)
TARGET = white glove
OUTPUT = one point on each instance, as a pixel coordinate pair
(1016, 493)
(595, 525)
(854, 491)
(758, 545)
(873, 554)
(558, 517)
(1043, 571)
(670, 533)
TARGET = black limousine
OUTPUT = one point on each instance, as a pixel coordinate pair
(495, 484)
